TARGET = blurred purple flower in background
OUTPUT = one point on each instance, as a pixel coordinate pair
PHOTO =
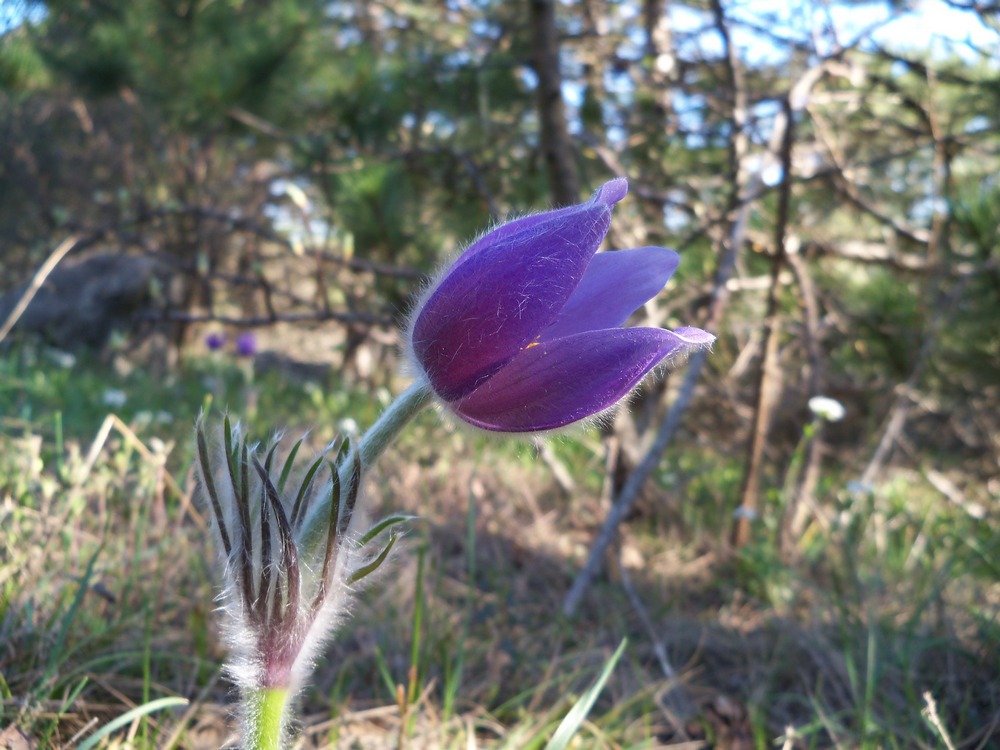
(215, 341)
(246, 344)
(523, 332)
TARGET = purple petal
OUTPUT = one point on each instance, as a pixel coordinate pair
(505, 290)
(558, 382)
(694, 338)
(615, 285)
(607, 195)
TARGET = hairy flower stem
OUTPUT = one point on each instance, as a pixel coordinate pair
(381, 434)
(371, 445)
(265, 719)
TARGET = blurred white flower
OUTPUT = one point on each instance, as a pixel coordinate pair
(114, 397)
(62, 359)
(827, 408)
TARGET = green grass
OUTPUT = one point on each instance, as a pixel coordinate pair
(107, 584)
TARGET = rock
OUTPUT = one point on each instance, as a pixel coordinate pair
(83, 301)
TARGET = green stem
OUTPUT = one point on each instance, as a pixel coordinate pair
(371, 445)
(381, 434)
(266, 720)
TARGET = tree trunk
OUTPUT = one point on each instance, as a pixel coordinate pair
(560, 163)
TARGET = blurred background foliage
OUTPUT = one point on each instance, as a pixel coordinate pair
(296, 167)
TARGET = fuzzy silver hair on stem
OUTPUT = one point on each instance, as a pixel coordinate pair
(284, 592)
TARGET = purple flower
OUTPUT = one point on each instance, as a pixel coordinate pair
(246, 344)
(215, 341)
(523, 332)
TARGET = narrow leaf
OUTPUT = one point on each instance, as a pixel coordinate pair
(298, 509)
(246, 532)
(265, 555)
(382, 525)
(352, 496)
(289, 463)
(336, 446)
(289, 554)
(231, 454)
(209, 482)
(329, 557)
(270, 454)
(375, 564)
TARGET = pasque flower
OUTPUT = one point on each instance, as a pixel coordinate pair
(524, 331)
(246, 344)
(285, 593)
(215, 341)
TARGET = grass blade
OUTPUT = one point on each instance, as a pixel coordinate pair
(570, 725)
(128, 717)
